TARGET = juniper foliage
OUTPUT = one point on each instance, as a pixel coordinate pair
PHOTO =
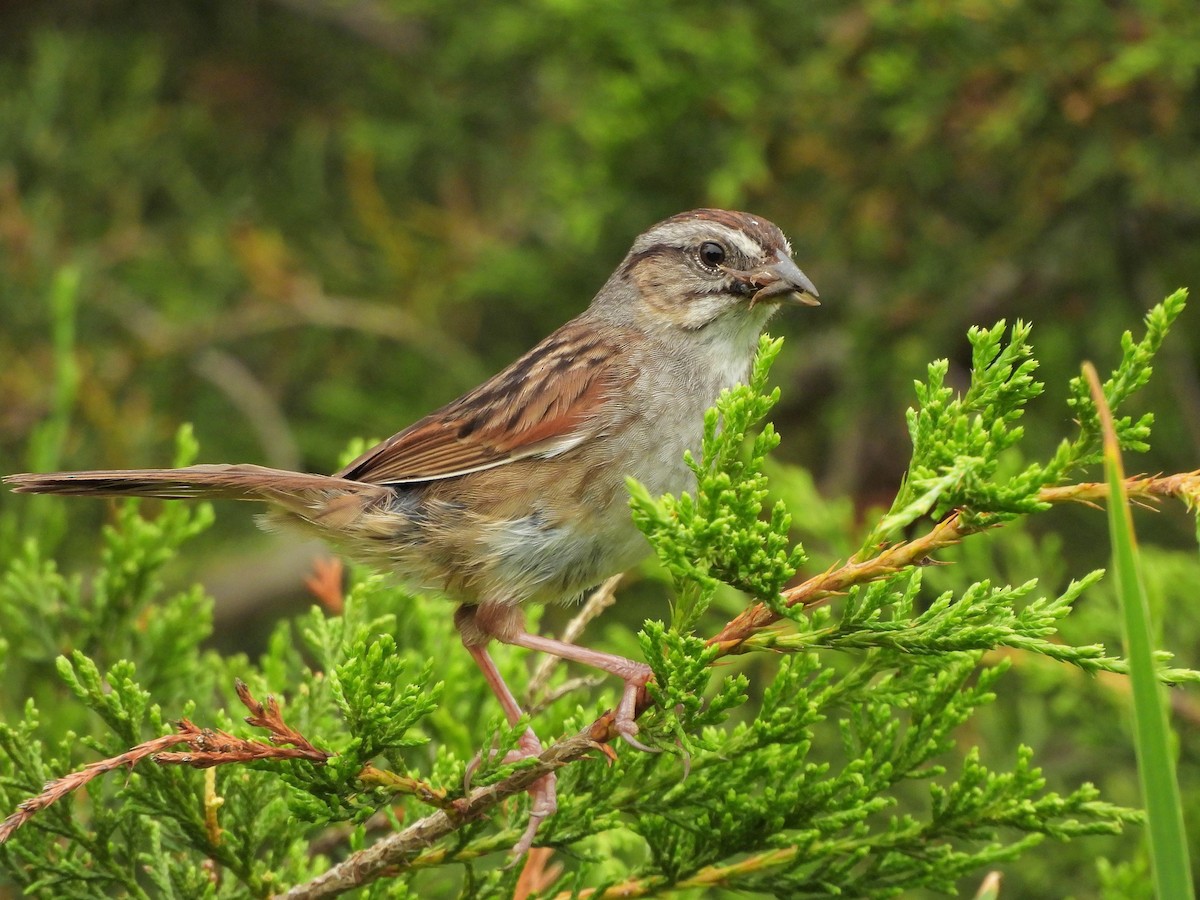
(838, 763)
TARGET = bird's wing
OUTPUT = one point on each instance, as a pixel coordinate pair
(547, 402)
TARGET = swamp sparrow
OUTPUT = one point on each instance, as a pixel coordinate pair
(515, 493)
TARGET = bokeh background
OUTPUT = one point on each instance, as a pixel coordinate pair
(296, 222)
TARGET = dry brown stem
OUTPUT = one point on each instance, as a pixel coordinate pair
(951, 530)
(206, 747)
(832, 582)
(401, 848)
(60, 787)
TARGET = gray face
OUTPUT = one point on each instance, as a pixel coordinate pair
(701, 267)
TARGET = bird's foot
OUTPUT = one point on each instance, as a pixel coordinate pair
(624, 718)
(543, 793)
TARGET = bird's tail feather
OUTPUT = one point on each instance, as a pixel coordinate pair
(239, 482)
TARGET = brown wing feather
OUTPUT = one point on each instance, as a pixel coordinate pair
(545, 403)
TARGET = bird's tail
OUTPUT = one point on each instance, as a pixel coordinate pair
(239, 482)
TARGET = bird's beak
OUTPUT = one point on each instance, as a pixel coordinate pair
(784, 277)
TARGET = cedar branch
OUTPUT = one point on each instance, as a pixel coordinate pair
(951, 530)
(207, 747)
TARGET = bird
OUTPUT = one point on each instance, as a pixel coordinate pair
(516, 493)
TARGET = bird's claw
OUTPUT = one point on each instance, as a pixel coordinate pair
(623, 721)
(627, 731)
(543, 804)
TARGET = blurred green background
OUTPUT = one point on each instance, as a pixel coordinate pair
(302, 221)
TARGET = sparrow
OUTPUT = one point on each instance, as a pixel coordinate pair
(515, 493)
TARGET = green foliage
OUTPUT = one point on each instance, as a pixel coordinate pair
(1131, 374)
(958, 441)
(682, 667)
(845, 767)
(717, 536)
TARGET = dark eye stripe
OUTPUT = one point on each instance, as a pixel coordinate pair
(648, 253)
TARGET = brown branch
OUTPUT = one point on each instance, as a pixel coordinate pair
(1184, 486)
(206, 747)
(832, 582)
(335, 836)
(949, 531)
(59, 788)
(398, 850)
(213, 747)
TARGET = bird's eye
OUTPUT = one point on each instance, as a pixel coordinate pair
(712, 254)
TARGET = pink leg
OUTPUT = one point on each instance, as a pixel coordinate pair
(634, 674)
(512, 709)
(543, 792)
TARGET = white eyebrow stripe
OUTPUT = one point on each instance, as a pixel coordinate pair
(748, 247)
(682, 233)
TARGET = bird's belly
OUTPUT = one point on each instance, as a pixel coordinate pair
(533, 562)
(551, 553)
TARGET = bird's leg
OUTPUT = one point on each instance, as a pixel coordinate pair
(543, 792)
(634, 674)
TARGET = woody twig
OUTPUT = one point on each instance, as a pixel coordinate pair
(206, 747)
(946, 533)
